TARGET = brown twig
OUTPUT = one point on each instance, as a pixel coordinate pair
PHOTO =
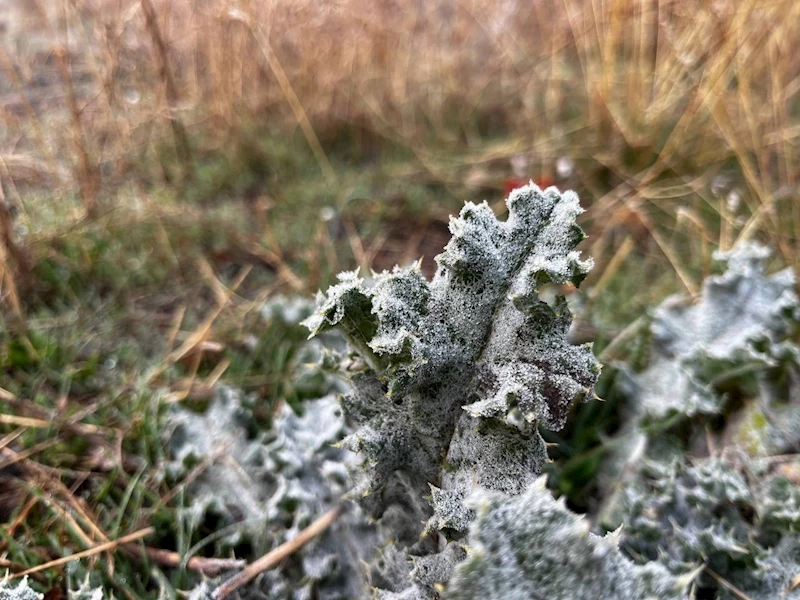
(273, 558)
(166, 558)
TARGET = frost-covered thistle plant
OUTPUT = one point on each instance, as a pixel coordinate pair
(458, 374)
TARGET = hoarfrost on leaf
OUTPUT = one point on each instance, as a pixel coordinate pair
(462, 369)
(273, 484)
(727, 517)
(86, 592)
(736, 310)
(532, 547)
(738, 325)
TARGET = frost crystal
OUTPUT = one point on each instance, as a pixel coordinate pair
(531, 547)
(23, 591)
(86, 592)
(461, 370)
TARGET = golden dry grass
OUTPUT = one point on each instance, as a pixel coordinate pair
(665, 98)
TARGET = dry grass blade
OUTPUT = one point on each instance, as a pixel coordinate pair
(25, 421)
(108, 546)
(54, 486)
(610, 351)
(273, 558)
(16, 457)
(200, 334)
(669, 253)
(356, 244)
(613, 266)
(178, 130)
(15, 265)
(87, 173)
(15, 568)
(21, 517)
(295, 102)
(7, 439)
(727, 584)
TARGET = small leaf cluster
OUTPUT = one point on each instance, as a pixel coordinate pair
(740, 327)
(18, 591)
(739, 525)
(269, 487)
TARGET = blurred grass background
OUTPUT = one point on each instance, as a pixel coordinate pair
(167, 165)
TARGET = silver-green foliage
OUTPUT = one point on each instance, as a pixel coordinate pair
(18, 591)
(532, 547)
(739, 325)
(268, 484)
(271, 486)
(461, 370)
(735, 340)
(22, 591)
(86, 592)
(737, 524)
(724, 516)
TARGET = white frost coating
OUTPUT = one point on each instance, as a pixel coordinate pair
(20, 591)
(738, 322)
(736, 310)
(712, 513)
(451, 361)
(532, 547)
(87, 592)
(271, 486)
(667, 386)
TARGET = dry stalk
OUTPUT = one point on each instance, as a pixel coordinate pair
(182, 146)
(14, 261)
(88, 176)
(8, 278)
(276, 556)
(208, 566)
